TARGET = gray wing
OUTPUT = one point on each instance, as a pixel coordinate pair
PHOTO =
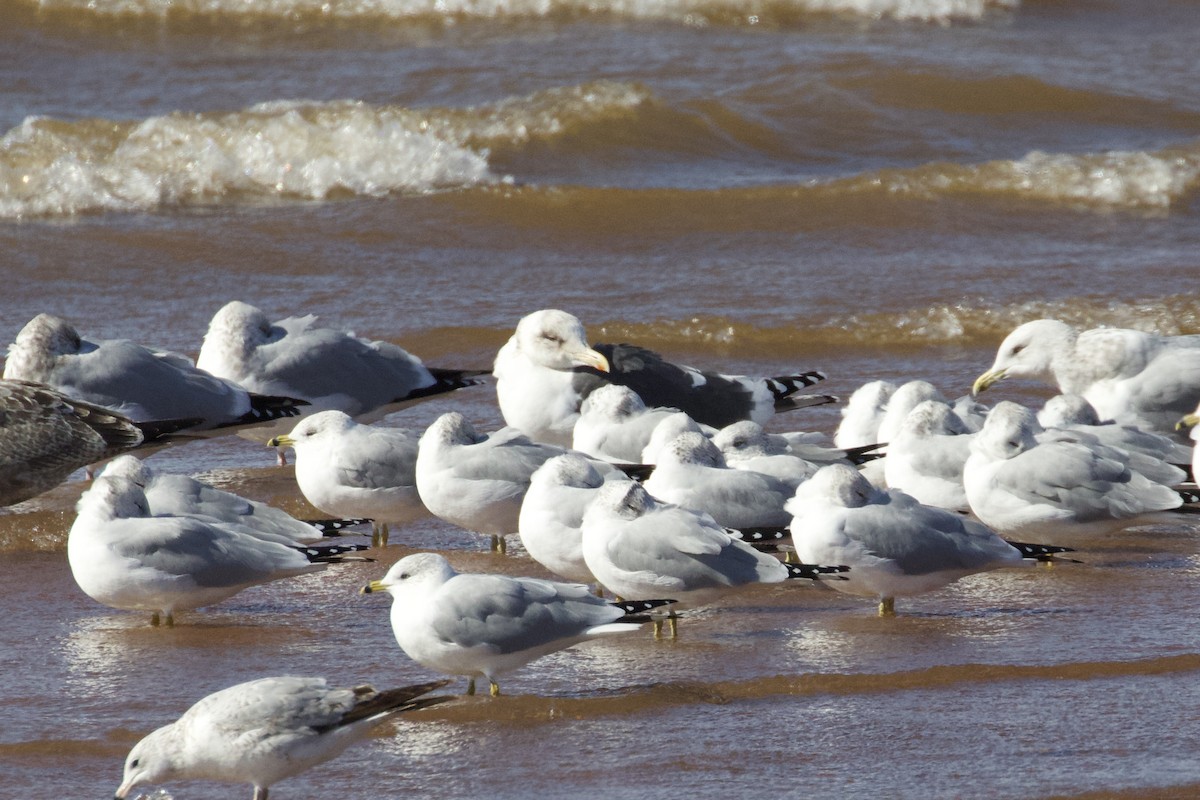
(147, 386)
(210, 554)
(377, 458)
(319, 362)
(515, 614)
(922, 540)
(505, 456)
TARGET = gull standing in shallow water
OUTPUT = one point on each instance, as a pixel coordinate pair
(547, 367)
(135, 381)
(349, 469)
(893, 545)
(330, 368)
(125, 559)
(482, 626)
(265, 730)
(1017, 484)
(637, 546)
(1128, 376)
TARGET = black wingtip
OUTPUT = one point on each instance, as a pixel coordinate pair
(159, 430)
(1041, 552)
(333, 553)
(805, 401)
(334, 527)
(639, 472)
(445, 381)
(814, 572)
(763, 534)
(640, 606)
(268, 407)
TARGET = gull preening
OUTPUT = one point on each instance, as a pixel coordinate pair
(262, 731)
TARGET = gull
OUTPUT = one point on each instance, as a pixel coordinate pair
(1016, 483)
(927, 455)
(125, 559)
(639, 546)
(46, 435)
(1130, 377)
(615, 425)
(665, 432)
(328, 367)
(350, 469)
(1072, 412)
(174, 495)
(551, 520)
(745, 445)
(135, 381)
(904, 399)
(691, 472)
(478, 481)
(482, 626)
(862, 415)
(893, 545)
(547, 367)
(265, 730)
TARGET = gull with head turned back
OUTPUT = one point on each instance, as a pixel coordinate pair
(893, 545)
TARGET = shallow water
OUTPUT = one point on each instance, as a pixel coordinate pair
(874, 188)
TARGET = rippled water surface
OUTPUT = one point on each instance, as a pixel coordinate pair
(874, 188)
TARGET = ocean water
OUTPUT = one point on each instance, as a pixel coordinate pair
(873, 188)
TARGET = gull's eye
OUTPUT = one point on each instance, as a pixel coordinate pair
(552, 337)
(135, 762)
(404, 576)
(1017, 349)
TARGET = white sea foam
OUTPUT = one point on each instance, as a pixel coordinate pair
(690, 11)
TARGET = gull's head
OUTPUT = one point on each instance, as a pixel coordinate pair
(1030, 351)
(113, 498)
(933, 418)
(664, 432)
(625, 499)
(131, 468)
(836, 484)
(451, 428)
(692, 447)
(743, 438)
(43, 339)
(1067, 409)
(150, 761)
(315, 428)
(414, 573)
(569, 469)
(557, 340)
(612, 402)
(234, 332)
(1008, 431)
(870, 398)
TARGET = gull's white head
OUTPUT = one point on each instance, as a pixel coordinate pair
(150, 761)
(419, 572)
(612, 402)
(1067, 409)
(451, 428)
(569, 469)
(836, 484)
(316, 428)
(625, 499)
(557, 340)
(113, 498)
(44, 338)
(745, 438)
(1030, 351)
(233, 334)
(692, 447)
(1008, 431)
(933, 418)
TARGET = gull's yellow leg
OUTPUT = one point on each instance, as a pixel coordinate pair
(494, 688)
(471, 686)
(887, 607)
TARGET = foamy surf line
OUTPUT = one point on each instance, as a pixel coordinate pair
(284, 150)
(686, 11)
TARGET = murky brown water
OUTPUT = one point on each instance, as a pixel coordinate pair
(875, 197)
